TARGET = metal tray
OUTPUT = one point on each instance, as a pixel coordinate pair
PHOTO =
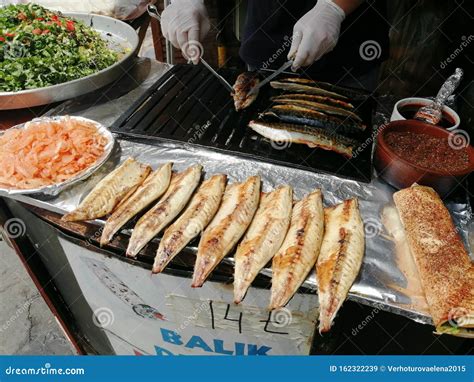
(121, 37)
(188, 105)
(55, 189)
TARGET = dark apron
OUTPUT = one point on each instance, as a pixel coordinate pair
(362, 46)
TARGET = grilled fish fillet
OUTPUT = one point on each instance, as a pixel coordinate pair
(195, 218)
(245, 82)
(291, 113)
(306, 89)
(150, 190)
(263, 238)
(346, 92)
(110, 191)
(310, 136)
(314, 98)
(321, 107)
(168, 207)
(238, 207)
(300, 249)
(340, 258)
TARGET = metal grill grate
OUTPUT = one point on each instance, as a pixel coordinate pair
(190, 106)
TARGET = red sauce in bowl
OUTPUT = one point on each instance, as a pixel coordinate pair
(432, 153)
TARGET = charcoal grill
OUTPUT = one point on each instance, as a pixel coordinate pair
(189, 106)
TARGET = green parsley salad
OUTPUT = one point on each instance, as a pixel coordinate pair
(39, 47)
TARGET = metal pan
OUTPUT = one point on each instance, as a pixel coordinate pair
(55, 189)
(121, 38)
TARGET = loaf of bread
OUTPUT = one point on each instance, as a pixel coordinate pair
(446, 271)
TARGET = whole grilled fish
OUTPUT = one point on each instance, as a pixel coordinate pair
(306, 88)
(243, 84)
(321, 107)
(263, 238)
(299, 251)
(194, 219)
(110, 191)
(150, 190)
(168, 207)
(238, 207)
(309, 117)
(314, 98)
(311, 136)
(340, 259)
(346, 92)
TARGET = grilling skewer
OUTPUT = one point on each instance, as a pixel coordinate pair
(153, 12)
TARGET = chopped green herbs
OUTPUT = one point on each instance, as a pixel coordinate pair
(39, 47)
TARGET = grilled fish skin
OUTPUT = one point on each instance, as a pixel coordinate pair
(321, 107)
(299, 251)
(179, 192)
(243, 84)
(110, 191)
(310, 136)
(239, 203)
(263, 238)
(340, 258)
(346, 92)
(150, 190)
(307, 89)
(314, 98)
(307, 116)
(195, 218)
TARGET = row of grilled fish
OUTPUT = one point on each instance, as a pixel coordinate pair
(267, 225)
(311, 113)
(321, 91)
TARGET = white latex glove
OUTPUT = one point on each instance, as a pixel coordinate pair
(316, 33)
(185, 23)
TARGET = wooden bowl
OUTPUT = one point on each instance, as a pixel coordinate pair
(401, 173)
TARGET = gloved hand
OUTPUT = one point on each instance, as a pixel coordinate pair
(316, 33)
(185, 23)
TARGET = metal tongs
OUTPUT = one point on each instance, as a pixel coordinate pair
(153, 12)
(280, 70)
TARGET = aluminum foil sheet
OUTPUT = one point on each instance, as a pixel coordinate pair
(388, 278)
(56, 188)
(432, 113)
